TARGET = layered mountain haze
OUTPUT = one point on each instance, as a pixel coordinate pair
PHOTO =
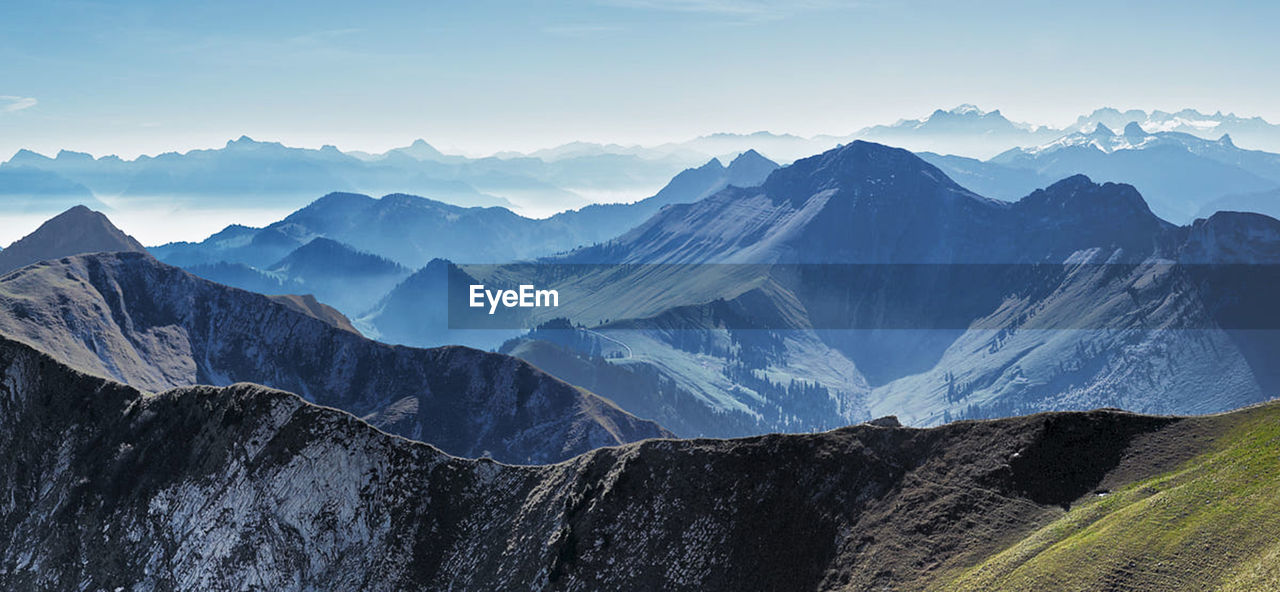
(131, 318)
(248, 174)
(601, 222)
(965, 130)
(413, 230)
(27, 189)
(1253, 132)
(1179, 174)
(244, 172)
(201, 486)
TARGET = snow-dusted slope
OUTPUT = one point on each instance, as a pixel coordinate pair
(1178, 173)
(942, 303)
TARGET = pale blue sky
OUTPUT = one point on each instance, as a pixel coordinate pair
(481, 76)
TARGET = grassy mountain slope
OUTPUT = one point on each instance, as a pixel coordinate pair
(1209, 524)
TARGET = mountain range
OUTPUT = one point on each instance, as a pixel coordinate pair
(352, 250)
(250, 174)
(823, 351)
(246, 486)
(1254, 132)
(802, 301)
(965, 130)
(128, 317)
(1181, 175)
(233, 414)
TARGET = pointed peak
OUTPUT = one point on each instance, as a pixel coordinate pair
(751, 158)
(324, 242)
(1102, 130)
(243, 140)
(1225, 140)
(25, 155)
(75, 231)
(421, 150)
(78, 210)
(750, 169)
(712, 165)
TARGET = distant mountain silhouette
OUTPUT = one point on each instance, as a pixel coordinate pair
(338, 274)
(965, 130)
(412, 231)
(1253, 132)
(29, 189)
(601, 222)
(1262, 202)
(1179, 174)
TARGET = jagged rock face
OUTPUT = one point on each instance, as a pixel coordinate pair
(77, 230)
(1233, 237)
(129, 317)
(247, 487)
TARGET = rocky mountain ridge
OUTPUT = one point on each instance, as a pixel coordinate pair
(246, 486)
(129, 317)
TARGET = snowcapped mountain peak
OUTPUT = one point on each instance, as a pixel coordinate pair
(963, 112)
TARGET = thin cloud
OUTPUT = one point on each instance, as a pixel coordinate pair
(9, 103)
(747, 10)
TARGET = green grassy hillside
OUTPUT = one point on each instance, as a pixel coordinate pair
(1211, 524)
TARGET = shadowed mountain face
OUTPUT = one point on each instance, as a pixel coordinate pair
(129, 317)
(77, 230)
(336, 273)
(864, 282)
(867, 203)
(208, 487)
